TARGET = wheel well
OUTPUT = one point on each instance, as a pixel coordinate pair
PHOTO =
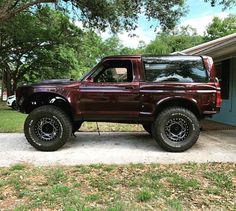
(179, 102)
(40, 99)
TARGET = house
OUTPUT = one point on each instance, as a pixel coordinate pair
(223, 52)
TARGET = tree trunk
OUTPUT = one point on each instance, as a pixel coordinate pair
(2, 86)
(14, 85)
(8, 83)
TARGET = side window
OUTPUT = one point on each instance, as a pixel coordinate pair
(114, 72)
(185, 71)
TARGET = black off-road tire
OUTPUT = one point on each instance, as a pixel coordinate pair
(44, 122)
(176, 129)
(148, 127)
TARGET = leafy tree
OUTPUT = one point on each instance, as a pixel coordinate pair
(46, 45)
(115, 14)
(225, 3)
(157, 46)
(102, 14)
(221, 27)
(10, 8)
(92, 49)
(173, 41)
(39, 44)
(89, 51)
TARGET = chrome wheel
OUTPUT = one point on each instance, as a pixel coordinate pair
(47, 129)
(176, 129)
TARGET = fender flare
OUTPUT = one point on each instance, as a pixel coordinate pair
(185, 102)
(166, 99)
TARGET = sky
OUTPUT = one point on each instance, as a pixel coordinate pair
(200, 14)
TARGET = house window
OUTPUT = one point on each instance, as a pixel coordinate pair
(223, 74)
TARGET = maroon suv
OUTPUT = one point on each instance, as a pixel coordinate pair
(168, 95)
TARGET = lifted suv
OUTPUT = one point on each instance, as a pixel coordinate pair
(168, 95)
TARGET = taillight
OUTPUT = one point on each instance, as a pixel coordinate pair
(218, 99)
(218, 93)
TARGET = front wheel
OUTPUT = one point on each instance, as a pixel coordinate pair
(47, 128)
(176, 129)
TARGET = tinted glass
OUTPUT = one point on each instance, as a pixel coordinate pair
(185, 71)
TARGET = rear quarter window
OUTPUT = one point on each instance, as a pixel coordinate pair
(175, 71)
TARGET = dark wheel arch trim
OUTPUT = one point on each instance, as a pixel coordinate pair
(187, 103)
(47, 98)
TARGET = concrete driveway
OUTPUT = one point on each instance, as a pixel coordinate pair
(118, 148)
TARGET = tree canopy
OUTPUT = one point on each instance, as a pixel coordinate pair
(186, 37)
(45, 45)
(112, 14)
(102, 14)
(37, 45)
(176, 40)
(225, 3)
(221, 27)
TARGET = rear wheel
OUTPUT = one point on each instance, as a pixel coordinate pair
(176, 129)
(47, 128)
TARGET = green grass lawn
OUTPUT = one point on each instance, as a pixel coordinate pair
(119, 187)
(12, 121)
